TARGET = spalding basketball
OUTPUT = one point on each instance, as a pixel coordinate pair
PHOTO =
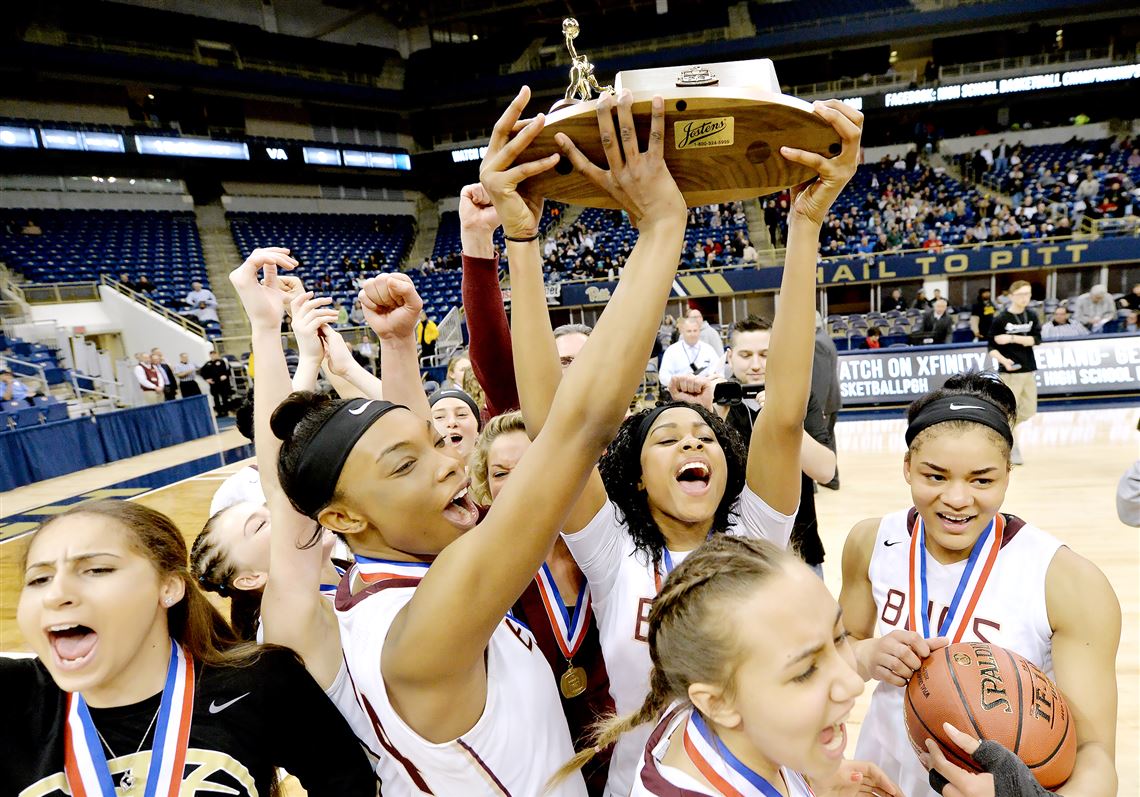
(992, 693)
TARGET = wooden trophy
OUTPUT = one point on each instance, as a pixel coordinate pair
(724, 126)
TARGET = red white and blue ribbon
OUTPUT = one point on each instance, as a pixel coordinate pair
(329, 590)
(571, 628)
(373, 571)
(85, 764)
(972, 581)
(725, 772)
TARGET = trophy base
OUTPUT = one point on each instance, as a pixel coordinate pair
(721, 144)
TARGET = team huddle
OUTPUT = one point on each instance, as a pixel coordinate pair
(565, 599)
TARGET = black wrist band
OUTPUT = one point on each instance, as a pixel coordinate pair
(521, 240)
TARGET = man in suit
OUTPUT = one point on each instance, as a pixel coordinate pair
(938, 322)
(169, 383)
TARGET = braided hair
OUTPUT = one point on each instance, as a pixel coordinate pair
(214, 572)
(688, 641)
(620, 469)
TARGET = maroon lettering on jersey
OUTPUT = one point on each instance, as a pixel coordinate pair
(641, 626)
(520, 632)
(894, 614)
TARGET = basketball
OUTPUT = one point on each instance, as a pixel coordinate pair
(992, 693)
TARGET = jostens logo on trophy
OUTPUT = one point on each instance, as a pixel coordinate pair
(725, 124)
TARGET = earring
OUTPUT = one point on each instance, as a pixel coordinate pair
(166, 602)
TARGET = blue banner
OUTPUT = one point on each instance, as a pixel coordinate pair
(1065, 253)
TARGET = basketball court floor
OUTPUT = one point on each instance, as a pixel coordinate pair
(1074, 458)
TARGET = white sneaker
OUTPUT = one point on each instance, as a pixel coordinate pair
(1015, 456)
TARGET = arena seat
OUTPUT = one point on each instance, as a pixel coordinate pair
(82, 245)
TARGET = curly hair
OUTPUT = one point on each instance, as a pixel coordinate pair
(620, 468)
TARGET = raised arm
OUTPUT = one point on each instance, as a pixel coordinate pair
(292, 613)
(392, 309)
(349, 378)
(774, 451)
(477, 578)
(490, 345)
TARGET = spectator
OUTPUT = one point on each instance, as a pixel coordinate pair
(1001, 156)
(825, 384)
(938, 322)
(150, 379)
(872, 339)
(31, 228)
(749, 254)
(690, 356)
(920, 301)
(456, 369)
(569, 340)
(145, 286)
(1095, 309)
(1089, 187)
(184, 372)
(708, 334)
(1131, 323)
(1013, 334)
(356, 317)
(203, 304)
(1062, 326)
(897, 301)
(11, 389)
(427, 333)
(982, 315)
(666, 333)
(1132, 300)
(216, 372)
(169, 384)
(126, 281)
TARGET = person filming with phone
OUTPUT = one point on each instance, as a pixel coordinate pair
(740, 399)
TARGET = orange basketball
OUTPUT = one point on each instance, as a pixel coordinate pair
(992, 693)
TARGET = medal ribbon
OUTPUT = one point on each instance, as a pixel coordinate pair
(571, 628)
(717, 763)
(372, 571)
(85, 765)
(989, 542)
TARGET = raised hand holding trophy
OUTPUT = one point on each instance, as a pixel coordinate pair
(725, 125)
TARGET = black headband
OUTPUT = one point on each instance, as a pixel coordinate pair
(463, 396)
(323, 458)
(960, 407)
(647, 422)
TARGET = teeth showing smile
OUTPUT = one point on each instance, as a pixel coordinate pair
(55, 629)
(459, 496)
(955, 518)
(698, 470)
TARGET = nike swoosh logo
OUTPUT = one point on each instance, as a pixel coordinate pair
(889, 543)
(216, 709)
(954, 406)
(361, 408)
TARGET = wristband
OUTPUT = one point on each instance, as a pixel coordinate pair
(520, 240)
(1011, 777)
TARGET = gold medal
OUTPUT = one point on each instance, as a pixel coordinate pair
(573, 681)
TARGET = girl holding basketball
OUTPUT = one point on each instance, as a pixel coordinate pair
(955, 568)
(751, 683)
(676, 475)
(139, 684)
(456, 691)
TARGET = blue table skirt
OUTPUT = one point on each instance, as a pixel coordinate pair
(54, 449)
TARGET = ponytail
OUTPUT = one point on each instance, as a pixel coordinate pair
(688, 642)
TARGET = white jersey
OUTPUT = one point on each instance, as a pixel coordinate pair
(1011, 613)
(515, 746)
(245, 485)
(623, 584)
(655, 779)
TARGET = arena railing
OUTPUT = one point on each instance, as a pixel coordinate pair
(59, 292)
(1126, 228)
(1092, 54)
(150, 304)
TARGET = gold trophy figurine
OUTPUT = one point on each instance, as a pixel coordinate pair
(583, 85)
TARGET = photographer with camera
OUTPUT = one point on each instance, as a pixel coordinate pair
(740, 399)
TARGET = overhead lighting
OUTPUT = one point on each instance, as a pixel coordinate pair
(150, 96)
(474, 37)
